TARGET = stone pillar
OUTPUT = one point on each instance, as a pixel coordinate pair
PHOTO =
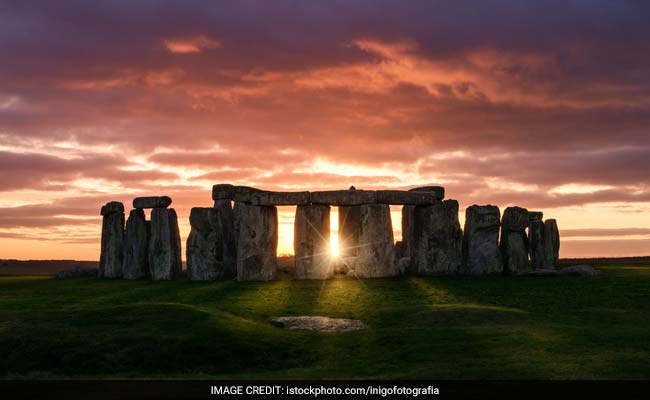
(514, 241)
(481, 253)
(112, 246)
(205, 246)
(349, 224)
(349, 230)
(136, 242)
(536, 239)
(551, 243)
(376, 256)
(408, 215)
(311, 242)
(437, 239)
(164, 245)
(257, 243)
(226, 216)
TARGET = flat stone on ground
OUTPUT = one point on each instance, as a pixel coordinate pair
(320, 324)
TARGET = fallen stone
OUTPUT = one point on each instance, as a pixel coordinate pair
(376, 255)
(551, 243)
(404, 265)
(205, 246)
(257, 243)
(136, 242)
(311, 242)
(536, 239)
(76, 272)
(320, 324)
(152, 202)
(481, 254)
(344, 197)
(112, 207)
(280, 198)
(164, 245)
(578, 270)
(401, 197)
(438, 190)
(112, 244)
(342, 265)
(437, 239)
(543, 272)
(514, 241)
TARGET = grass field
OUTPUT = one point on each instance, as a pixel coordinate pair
(471, 328)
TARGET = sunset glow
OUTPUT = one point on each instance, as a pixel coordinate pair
(529, 111)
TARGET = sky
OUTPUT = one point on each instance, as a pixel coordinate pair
(540, 104)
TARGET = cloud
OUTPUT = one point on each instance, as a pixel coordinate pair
(191, 45)
(485, 99)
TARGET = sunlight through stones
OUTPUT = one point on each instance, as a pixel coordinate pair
(238, 237)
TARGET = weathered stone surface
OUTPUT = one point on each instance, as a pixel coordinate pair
(244, 194)
(222, 191)
(481, 253)
(376, 255)
(164, 245)
(578, 270)
(514, 241)
(438, 190)
(257, 243)
(136, 242)
(76, 272)
(401, 197)
(112, 246)
(536, 239)
(112, 207)
(320, 324)
(205, 246)
(311, 242)
(344, 197)
(551, 243)
(226, 216)
(152, 202)
(280, 198)
(408, 230)
(437, 239)
(349, 225)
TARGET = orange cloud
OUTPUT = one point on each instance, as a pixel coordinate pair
(191, 45)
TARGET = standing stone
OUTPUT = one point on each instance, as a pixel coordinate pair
(436, 247)
(408, 213)
(376, 255)
(112, 248)
(136, 241)
(164, 245)
(551, 243)
(226, 216)
(257, 243)
(205, 246)
(536, 239)
(514, 241)
(481, 253)
(311, 242)
(349, 225)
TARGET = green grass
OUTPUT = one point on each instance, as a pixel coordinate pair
(437, 328)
